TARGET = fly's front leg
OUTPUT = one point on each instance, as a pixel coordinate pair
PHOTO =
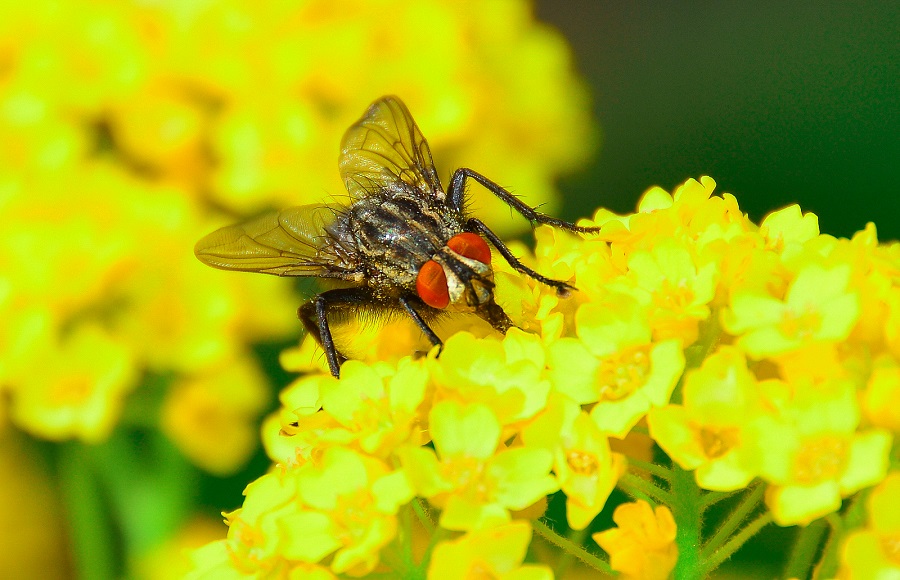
(458, 190)
(420, 322)
(477, 226)
(314, 315)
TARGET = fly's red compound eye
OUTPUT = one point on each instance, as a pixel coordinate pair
(431, 285)
(471, 246)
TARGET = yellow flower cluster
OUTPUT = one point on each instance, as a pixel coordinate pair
(766, 351)
(130, 128)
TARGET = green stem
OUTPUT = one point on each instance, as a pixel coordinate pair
(686, 511)
(438, 534)
(651, 468)
(731, 546)
(90, 531)
(828, 564)
(544, 531)
(406, 533)
(806, 547)
(711, 497)
(424, 516)
(735, 519)
(576, 537)
(639, 488)
(855, 514)
(697, 352)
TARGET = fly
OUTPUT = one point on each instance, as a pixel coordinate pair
(402, 243)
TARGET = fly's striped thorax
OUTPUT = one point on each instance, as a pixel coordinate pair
(396, 234)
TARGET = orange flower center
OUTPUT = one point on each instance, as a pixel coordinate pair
(619, 375)
(717, 442)
(674, 296)
(72, 390)
(800, 324)
(890, 545)
(355, 515)
(821, 459)
(582, 463)
(467, 474)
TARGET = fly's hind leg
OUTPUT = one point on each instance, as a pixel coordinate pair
(314, 315)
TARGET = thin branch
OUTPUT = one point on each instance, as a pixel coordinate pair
(828, 564)
(715, 559)
(630, 484)
(651, 468)
(713, 497)
(544, 531)
(734, 519)
(805, 550)
(423, 514)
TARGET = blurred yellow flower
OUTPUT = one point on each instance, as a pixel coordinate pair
(817, 307)
(874, 550)
(814, 451)
(213, 418)
(35, 541)
(78, 389)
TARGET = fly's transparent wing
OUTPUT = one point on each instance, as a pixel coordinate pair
(384, 150)
(291, 242)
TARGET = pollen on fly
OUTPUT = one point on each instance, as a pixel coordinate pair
(402, 243)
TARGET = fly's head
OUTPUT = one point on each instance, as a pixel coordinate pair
(460, 278)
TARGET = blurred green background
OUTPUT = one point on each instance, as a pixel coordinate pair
(779, 102)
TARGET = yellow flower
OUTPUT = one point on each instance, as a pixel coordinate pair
(470, 474)
(643, 546)
(254, 535)
(349, 505)
(300, 431)
(791, 379)
(37, 543)
(342, 506)
(213, 418)
(615, 363)
(818, 306)
(813, 452)
(677, 290)
(881, 399)
(786, 230)
(586, 468)
(373, 407)
(505, 375)
(874, 550)
(494, 552)
(714, 429)
(77, 390)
